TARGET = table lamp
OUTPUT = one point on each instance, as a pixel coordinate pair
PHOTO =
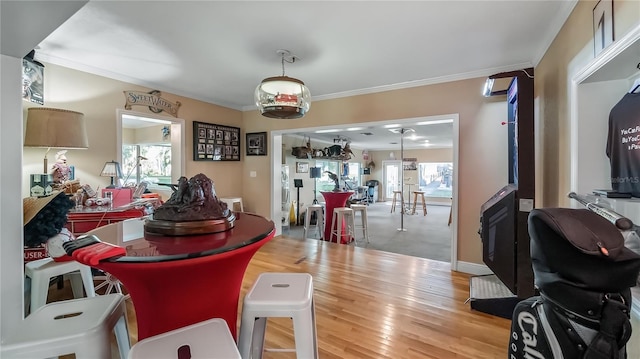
(53, 128)
(111, 169)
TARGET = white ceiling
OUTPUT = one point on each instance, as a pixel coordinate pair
(218, 51)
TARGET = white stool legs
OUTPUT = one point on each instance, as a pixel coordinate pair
(279, 295)
(42, 270)
(362, 209)
(341, 214)
(318, 210)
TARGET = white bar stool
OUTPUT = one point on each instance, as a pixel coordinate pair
(80, 326)
(209, 339)
(42, 270)
(288, 295)
(362, 209)
(340, 215)
(231, 201)
(319, 210)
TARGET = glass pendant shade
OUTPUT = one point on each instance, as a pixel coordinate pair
(282, 97)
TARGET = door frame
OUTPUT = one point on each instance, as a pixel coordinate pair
(386, 196)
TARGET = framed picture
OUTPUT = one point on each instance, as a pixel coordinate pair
(257, 144)
(410, 164)
(213, 142)
(33, 81)
(302, 167)
(602, 25)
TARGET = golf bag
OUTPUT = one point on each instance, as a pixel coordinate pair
(584, 274)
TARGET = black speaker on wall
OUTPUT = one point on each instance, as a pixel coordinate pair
(315, 172)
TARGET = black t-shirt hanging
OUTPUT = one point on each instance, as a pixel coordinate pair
(623, 145)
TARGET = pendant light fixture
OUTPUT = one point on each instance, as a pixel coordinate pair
(283, 97)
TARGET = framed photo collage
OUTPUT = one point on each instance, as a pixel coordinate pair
(213, 142)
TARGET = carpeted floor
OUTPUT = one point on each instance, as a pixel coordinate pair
(424, 236)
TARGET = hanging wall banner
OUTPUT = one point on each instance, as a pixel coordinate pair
(151, 99)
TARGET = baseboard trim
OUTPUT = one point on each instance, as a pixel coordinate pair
(473, 268)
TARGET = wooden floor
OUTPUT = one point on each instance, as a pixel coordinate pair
(374, 304)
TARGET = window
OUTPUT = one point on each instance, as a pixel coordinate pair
(348, 172)
(351, 175)
(155, 163)
(435, 179)
(324, 183)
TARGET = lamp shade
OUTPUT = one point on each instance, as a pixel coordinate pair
(282, 97)
(55, 128)
(111, 169)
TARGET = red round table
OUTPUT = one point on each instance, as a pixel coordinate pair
(179, 281)
(334, 200)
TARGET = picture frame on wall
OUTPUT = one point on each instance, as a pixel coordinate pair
(302, 167)
(32, 81)
(602, 25)
(410, 164)
(256, 144)
(213, 142)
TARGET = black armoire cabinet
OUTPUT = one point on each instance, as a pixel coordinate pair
(504, 230)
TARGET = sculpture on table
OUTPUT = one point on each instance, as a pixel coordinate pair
(334, 178)
(61, 170)
(193, 208)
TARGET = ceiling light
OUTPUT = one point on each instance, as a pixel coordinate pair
(328, 131)
(355, 128)
(282, 96)
(436, 122)
(393, 125)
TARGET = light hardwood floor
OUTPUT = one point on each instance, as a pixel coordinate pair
(374, 304)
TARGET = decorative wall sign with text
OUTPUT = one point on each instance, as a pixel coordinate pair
(151, 99)
(213, 142)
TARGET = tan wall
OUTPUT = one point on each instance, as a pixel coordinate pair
(571, 50)
(98, 98)
(482, 159)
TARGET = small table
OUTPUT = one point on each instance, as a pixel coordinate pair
(333, 200)
(182, 280)
(82, 220)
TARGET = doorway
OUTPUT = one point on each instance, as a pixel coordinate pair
(277, 158)
(391, 177)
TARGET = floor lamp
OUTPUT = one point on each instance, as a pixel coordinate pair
(402, 131)
(315, 173)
